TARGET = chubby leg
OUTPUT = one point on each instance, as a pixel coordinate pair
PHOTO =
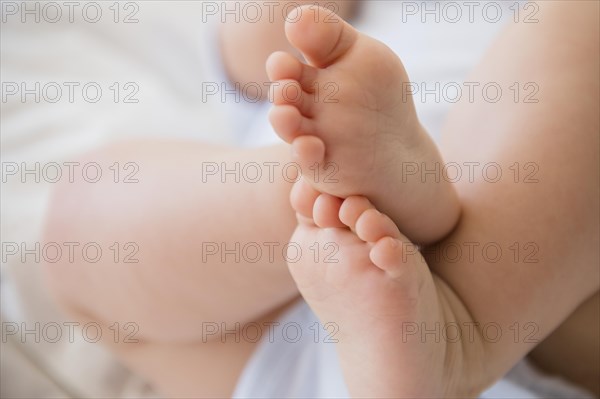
(188, 229)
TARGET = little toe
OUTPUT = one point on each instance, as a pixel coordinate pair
(387, 255)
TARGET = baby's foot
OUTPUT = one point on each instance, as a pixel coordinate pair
(353, 126)
(345, 107)
(375, 294)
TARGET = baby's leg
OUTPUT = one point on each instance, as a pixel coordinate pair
(177, 289)
(186, 224)
(352, 130)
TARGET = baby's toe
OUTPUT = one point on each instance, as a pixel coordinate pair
(387, 254)
(289, 92)
(309, 152)
(303, 197)
(288, 122)
(352, 208)
(326, 211)
(320, 35)
(373, 225)
(281, 65)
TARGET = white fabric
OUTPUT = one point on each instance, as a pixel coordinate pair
(296, 361)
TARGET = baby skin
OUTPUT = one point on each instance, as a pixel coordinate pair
(373, 288)
(353, 127)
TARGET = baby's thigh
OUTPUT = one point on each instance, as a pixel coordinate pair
(573, 349)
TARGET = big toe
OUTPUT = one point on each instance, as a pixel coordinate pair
(320, 35)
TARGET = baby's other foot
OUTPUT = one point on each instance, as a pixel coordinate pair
(372, 292)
